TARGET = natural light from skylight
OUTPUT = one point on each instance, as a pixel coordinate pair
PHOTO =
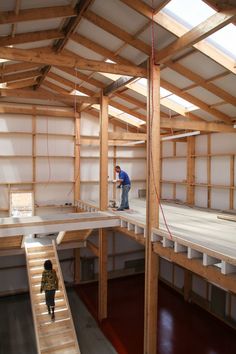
(192, 13)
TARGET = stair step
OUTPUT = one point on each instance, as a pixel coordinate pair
(39, 297)
(43, 311)
(54, 327)
(42, 254)
(42, 305)
(67, 348)
(40, 262)
(56, 332)
(60, 315)
(39, 248)
(56, 340)
(36, 270)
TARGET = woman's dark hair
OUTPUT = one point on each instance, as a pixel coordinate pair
(48, 265)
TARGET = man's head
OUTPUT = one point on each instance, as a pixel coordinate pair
(117, 169)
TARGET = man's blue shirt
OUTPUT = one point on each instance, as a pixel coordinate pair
(125, 178)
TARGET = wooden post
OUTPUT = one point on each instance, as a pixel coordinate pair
(190, 169)
(209, 171)
(77, 159)
(231, 191)
(77, 265)
(33, 156)
(103, 203)
(152, 208)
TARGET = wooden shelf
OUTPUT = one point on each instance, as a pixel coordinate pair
(37, 133)
(36, 182)
(55, 206)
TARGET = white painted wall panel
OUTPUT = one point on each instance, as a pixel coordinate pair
(181, 149)
(220, 170)
(167, 148)
(201, 197)
(223, 143)
(54, 169)
(54, 145)
(201, 170)
(166, 269)
(219, 198)
(16, 145)
(55, 125)
(15, 123)
(201, 144)
(233, 306)
(174, 170)
(16, 169)
(167, 191)
(181, 192)
(58, 194)
(178, 277)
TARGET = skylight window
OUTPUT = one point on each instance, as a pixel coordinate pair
(225, 40)
(189, 13)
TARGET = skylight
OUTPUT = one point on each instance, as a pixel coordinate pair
(225, 40)
(190, 13)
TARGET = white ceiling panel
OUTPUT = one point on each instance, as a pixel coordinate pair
(39, 25)
(119, 14)
(98, 35)
(59, 84)
(202, 65)
(102, 78)
(228, 109)
(82, 51)
(174, 78)
(123, 102)
(204, 95)
(66, 76)
(29, 4)
(161, 37)
(133, 55)
(206, 116)
(32, 45)
(136, 95)
(5, 30)
(227, 83)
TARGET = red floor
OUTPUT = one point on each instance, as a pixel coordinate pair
(182, 328)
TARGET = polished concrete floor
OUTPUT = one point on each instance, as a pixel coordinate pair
(182, 328)
(17, 331)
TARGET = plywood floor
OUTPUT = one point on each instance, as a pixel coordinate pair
(193, 224)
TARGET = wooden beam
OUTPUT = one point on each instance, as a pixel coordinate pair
(67, 61)
(48, 96)
(118, 32)
(41, 13)
(200, 81)
(93, 248)
(22, 83)
(210, 273)
(20, 76)
(80, 8)
(196, 101)
(173, 26)
(126, 136)
(178, 123)
(97, 48)
(103, 199)
(41, 111)
(152, 208)
(13, 68)
(30, 37)
(197, 34)
(117, 85)
(102, 277)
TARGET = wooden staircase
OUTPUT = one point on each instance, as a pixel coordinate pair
(58, 337)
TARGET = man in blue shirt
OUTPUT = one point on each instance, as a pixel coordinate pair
(124, 183)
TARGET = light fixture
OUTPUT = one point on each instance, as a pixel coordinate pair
(177, 136)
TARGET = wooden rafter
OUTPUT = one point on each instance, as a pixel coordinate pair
(173, 26)
(68, 28)
(64, 60)
(197, 34)
(30, 37)
(41, 13)
(200, 81)
(19, 76)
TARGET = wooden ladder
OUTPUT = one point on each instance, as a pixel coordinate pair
(59, 336)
